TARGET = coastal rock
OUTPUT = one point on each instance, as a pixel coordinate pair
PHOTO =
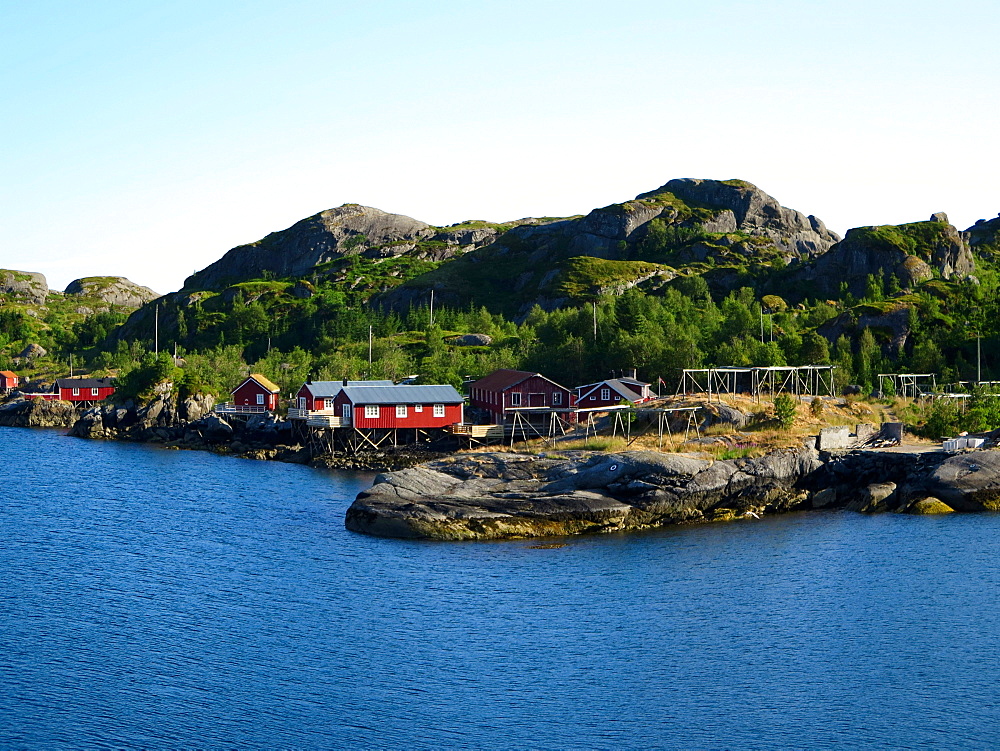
(470, 499)
(968, 482)
(929, 506)
(37, 413)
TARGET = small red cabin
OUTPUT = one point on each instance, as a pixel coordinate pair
(503, 390)
(368, 407)
(84, 389)
(256, 391)
(8, 381)
(613, 391)
(319, 396)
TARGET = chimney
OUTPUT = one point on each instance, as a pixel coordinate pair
(345, 381)
(632, 374)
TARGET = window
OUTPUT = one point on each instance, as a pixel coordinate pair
(400, 410)
(260, 398)
(76, 392)
(329, 403)
(593, 398)
(556, 398)
(439, 410)
(418, 407)
(515, 399)
(93, 392)
(371, 410)
(605, 394)
(302, 402)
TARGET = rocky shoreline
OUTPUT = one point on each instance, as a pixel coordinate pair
(495, 496)
(190, 424)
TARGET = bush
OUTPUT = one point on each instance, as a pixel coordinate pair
(784, 410)
(816, 407)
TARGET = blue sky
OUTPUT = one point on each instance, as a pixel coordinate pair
(146, 139)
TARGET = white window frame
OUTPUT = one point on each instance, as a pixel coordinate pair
(401, 411)
(605, 395)
(76, 392)
(260, 400)
(371, 411)
(329, 402)
(418, 407)
(515, 398)
(439, 410)
(93, 392)
(556, 398)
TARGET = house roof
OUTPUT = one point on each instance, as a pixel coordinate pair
(615, 385)
(501, 380)
(403, 395)
(84, 383)
(274, 389)
(327, 389)
(7, 374)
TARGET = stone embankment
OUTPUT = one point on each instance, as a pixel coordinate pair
(492, 496)
(37, 413)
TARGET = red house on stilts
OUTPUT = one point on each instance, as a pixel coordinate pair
(505, 390)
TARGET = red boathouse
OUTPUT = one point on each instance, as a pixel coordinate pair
(256, 393)
(83, 389)
(504, 390)
(394, 407)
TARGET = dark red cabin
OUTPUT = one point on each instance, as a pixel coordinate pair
(8, 381)
(84, 389)
(319, 396)
(503, 390)
(256, 391)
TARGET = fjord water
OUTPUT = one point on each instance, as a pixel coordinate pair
(159, 599)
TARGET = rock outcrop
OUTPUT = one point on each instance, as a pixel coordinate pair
(487, 496)
(912, 253)
(37, 413)
(748, 209)
(25, 286)
(112, 290)
(350, 229)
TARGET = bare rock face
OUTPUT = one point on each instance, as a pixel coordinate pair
(113, 290)
(27, 286)
(755, 212)
(348, 230)
(32, 351)
(910, 252)
(37, 413)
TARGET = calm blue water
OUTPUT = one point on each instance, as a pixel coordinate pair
(160, 599)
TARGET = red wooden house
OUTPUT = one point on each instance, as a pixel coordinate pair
(84, 389)
(256, 393)
(371, 407)
(8, 381)
(504, 390)
(319, 396)
(613, 391)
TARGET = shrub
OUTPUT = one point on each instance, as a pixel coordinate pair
(784, 410)
(816, 407)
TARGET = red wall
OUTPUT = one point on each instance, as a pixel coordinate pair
(246, 395)
(313, 403)
(85, 395)
(387, 416)
(533, 385)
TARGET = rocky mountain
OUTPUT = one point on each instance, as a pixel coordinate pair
(912, 253)
(721, 228)
(349, 230)
(111, 290)
(24, 286)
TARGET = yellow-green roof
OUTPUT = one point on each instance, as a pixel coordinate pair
(264, 382)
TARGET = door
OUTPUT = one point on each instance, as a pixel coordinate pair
(536, 400)
(346, 412)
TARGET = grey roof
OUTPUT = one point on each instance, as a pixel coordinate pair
(615, 385)
(404, 395)
(327, 389)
